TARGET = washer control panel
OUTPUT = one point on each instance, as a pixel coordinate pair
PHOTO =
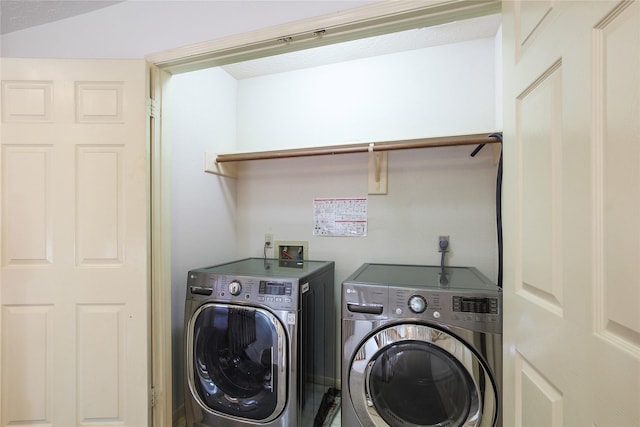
(279, 294)
(235, 288)
(270, 287)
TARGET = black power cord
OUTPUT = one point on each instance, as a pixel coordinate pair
(497, 135)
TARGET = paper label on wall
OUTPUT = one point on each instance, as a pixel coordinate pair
(340, 217)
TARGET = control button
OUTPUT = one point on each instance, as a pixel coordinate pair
(287, 300)
(235, 288)
(261, 299)
(417, 304)
(398, 310)
(278, 299)
(436, 314)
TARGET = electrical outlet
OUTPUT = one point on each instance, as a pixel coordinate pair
(443, 243)
(268, 240)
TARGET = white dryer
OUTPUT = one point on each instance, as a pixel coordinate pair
(421, 346)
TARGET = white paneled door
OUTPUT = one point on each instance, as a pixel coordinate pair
(73, 285)
(572, 213)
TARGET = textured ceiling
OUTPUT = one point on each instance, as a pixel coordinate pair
(17, 15)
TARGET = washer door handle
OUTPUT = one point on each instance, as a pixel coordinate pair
(366, 309)
(201, 291)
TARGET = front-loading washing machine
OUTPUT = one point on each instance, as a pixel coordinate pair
(260, 343)
(421, 346)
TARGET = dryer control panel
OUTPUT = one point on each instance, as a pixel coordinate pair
(477, 311)
(479, 305)
(480, 311)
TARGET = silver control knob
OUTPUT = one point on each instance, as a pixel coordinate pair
(417, 304)
(235, 288)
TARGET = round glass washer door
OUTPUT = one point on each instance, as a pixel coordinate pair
(412, 375)
(237, 361)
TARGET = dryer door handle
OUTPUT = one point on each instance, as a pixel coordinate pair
(367, 309)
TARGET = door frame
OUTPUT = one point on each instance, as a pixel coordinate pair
(366, 21)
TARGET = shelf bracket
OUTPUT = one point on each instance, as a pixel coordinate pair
(377, 171)
(211, 165)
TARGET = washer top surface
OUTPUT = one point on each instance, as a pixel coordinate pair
(267, 267)
(423, 276)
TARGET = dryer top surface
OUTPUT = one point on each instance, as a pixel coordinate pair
(422, 276)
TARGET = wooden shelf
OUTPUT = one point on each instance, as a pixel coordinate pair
(224, 164)
(446, 141)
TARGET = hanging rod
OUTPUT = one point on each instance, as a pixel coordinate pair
(445, 141)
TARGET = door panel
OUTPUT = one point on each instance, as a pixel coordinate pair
(539, 113)
(617, 80)
(572, 213)
(30, 169)
(73, 285)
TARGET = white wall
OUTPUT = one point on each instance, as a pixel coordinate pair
(498, 77)
(201, 115)
(443, 90)
(432, 192)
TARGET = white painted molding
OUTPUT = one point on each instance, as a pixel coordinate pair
(370, 20)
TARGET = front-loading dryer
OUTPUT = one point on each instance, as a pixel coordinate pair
(260, 343)
(421, 346)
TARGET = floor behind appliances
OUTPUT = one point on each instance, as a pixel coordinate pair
(260, 343)
(421, 345)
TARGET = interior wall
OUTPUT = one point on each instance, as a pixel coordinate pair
(433, 91)
(442, 90)
(432, 192)
(201, 116)
(498, 77)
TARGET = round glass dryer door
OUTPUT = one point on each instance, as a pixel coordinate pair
(237, 361)
(413, 375)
